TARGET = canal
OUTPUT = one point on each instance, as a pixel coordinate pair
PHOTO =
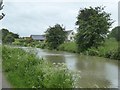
(94, 71)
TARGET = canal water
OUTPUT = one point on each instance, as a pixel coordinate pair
(94, 71)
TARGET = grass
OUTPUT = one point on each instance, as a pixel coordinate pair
(110, 45)
(108, 50)
(69, 46)
(25, 70)
(22, 42)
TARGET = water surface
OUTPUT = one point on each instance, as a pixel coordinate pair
(95, 71)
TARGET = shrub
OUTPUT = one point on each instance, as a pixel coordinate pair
(93, 52)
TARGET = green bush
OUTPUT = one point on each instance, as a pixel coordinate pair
(93, 52)
(113, 54)
(25, 70)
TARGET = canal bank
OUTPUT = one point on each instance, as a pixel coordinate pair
(26, 70)
(94, 71)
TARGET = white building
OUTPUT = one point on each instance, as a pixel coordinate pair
(70, 35)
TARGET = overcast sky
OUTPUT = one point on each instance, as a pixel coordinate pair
(27, 17)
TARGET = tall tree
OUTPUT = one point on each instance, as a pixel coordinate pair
(93, 25)
(55, 36)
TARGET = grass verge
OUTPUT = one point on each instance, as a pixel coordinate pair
(25, 70)
(108, 50)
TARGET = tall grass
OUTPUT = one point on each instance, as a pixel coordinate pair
(109, 45)
(25, 70)
(109, 49)
(68, 46)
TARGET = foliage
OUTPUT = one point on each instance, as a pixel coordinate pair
(109, 49)
(93, 27)
(69, 46)
(25, 70)
(110, 45)
(113, 54)
(8, 37)
(29, 43)
(115, 33)
(55, 36)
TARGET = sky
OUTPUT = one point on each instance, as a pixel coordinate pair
(33, 17)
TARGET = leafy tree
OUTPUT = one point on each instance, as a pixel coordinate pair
(115, 33)
(93, 25)
(9, 39)
(1, 7)
(55, 36)
(4, 34)
(14, 35)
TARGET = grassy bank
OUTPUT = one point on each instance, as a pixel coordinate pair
(69, 46)
(108, 50)
(25, 70)
(25, 43)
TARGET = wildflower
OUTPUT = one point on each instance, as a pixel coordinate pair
(54, 63)
(79, 71)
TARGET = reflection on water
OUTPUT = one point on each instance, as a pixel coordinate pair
(95, 71)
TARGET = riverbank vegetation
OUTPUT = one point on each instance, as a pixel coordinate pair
(92, 38)
(29, 43)
(93, 26)
(55, 36)
(108, 50)
(8, 37)
(25, 70)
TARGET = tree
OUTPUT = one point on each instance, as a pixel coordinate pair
(115, 33)
(9, 39)
(55, 36)
(14, 35)
(1, 7)
(4, 34)
(93, 25)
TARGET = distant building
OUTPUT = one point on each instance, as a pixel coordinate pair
(70, 35)
(38, 37)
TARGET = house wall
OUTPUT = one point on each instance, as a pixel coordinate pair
(71, 36)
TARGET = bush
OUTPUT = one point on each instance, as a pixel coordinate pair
(93, 52)
(113, 54)
(25, 70)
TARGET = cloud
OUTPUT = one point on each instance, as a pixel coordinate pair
(26, 18)
(61, 1)
(119, 13)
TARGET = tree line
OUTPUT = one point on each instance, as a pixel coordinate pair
(93, 28)
(8, 37)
